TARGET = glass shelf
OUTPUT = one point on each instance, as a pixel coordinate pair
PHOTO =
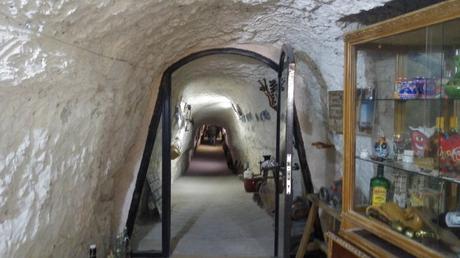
(415, 99)
(412, 168)
(407, 100)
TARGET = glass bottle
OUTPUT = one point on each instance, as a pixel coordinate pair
(379, 187)
(399, 185)
(453, 145)
(453, 125)
(397, 87)
(449, 219)
(434, 143)
(92, 251)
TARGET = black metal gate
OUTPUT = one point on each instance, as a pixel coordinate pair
(284, 148)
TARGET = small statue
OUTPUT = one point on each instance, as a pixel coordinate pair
(381, 148)
(420, 139)
(408, 90)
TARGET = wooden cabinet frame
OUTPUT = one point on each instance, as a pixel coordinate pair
(435, 14)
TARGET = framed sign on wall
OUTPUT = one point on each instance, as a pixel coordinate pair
(335, 110)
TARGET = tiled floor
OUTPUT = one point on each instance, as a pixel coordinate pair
(212, 215)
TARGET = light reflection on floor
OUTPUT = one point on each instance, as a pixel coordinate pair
(208, 161)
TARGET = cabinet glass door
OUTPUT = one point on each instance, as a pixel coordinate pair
(407, 149)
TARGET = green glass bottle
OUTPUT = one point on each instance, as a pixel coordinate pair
(379, 188)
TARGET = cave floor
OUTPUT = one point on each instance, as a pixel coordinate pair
(212, 215)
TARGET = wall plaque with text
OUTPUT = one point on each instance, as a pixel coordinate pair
(335, 110)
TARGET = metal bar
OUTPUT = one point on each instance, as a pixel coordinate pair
(305, 169)
(160, 108)
(283, 204)
(299, 145)
(277, 156)
(220, 51)
(141, 176)
(290, 87)
(166, 170)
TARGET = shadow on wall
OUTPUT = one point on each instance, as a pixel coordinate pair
(312, 115)
(316, 78)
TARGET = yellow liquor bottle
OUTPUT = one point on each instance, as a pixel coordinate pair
(379, 187)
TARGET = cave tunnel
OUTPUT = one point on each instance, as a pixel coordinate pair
(87, 121)
(212, 99)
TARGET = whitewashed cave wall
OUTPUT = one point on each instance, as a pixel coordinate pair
(77, 87)
(66, 122)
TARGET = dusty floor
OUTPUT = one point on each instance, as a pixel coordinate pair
(212, 215)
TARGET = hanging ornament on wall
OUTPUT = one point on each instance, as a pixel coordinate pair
(237, 109)
(175, 148)
(270, 90)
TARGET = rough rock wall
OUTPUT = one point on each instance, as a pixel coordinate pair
(77, 87)
(66, 126)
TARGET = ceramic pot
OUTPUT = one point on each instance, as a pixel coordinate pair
(251, 185)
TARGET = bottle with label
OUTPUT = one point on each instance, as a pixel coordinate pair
(434, 142)
(92, 251)
(451, 147)
(379, 187)
(450, 219)
(399, 185)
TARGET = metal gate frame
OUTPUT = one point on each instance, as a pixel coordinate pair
(163, 110)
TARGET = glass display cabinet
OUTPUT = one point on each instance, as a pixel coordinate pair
(401, 135)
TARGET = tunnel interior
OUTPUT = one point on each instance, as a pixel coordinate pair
(79, 81)
(223, 97)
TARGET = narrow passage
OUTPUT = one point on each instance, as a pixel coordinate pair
(213, 216)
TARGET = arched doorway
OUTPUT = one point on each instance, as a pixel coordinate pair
(284, 145)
